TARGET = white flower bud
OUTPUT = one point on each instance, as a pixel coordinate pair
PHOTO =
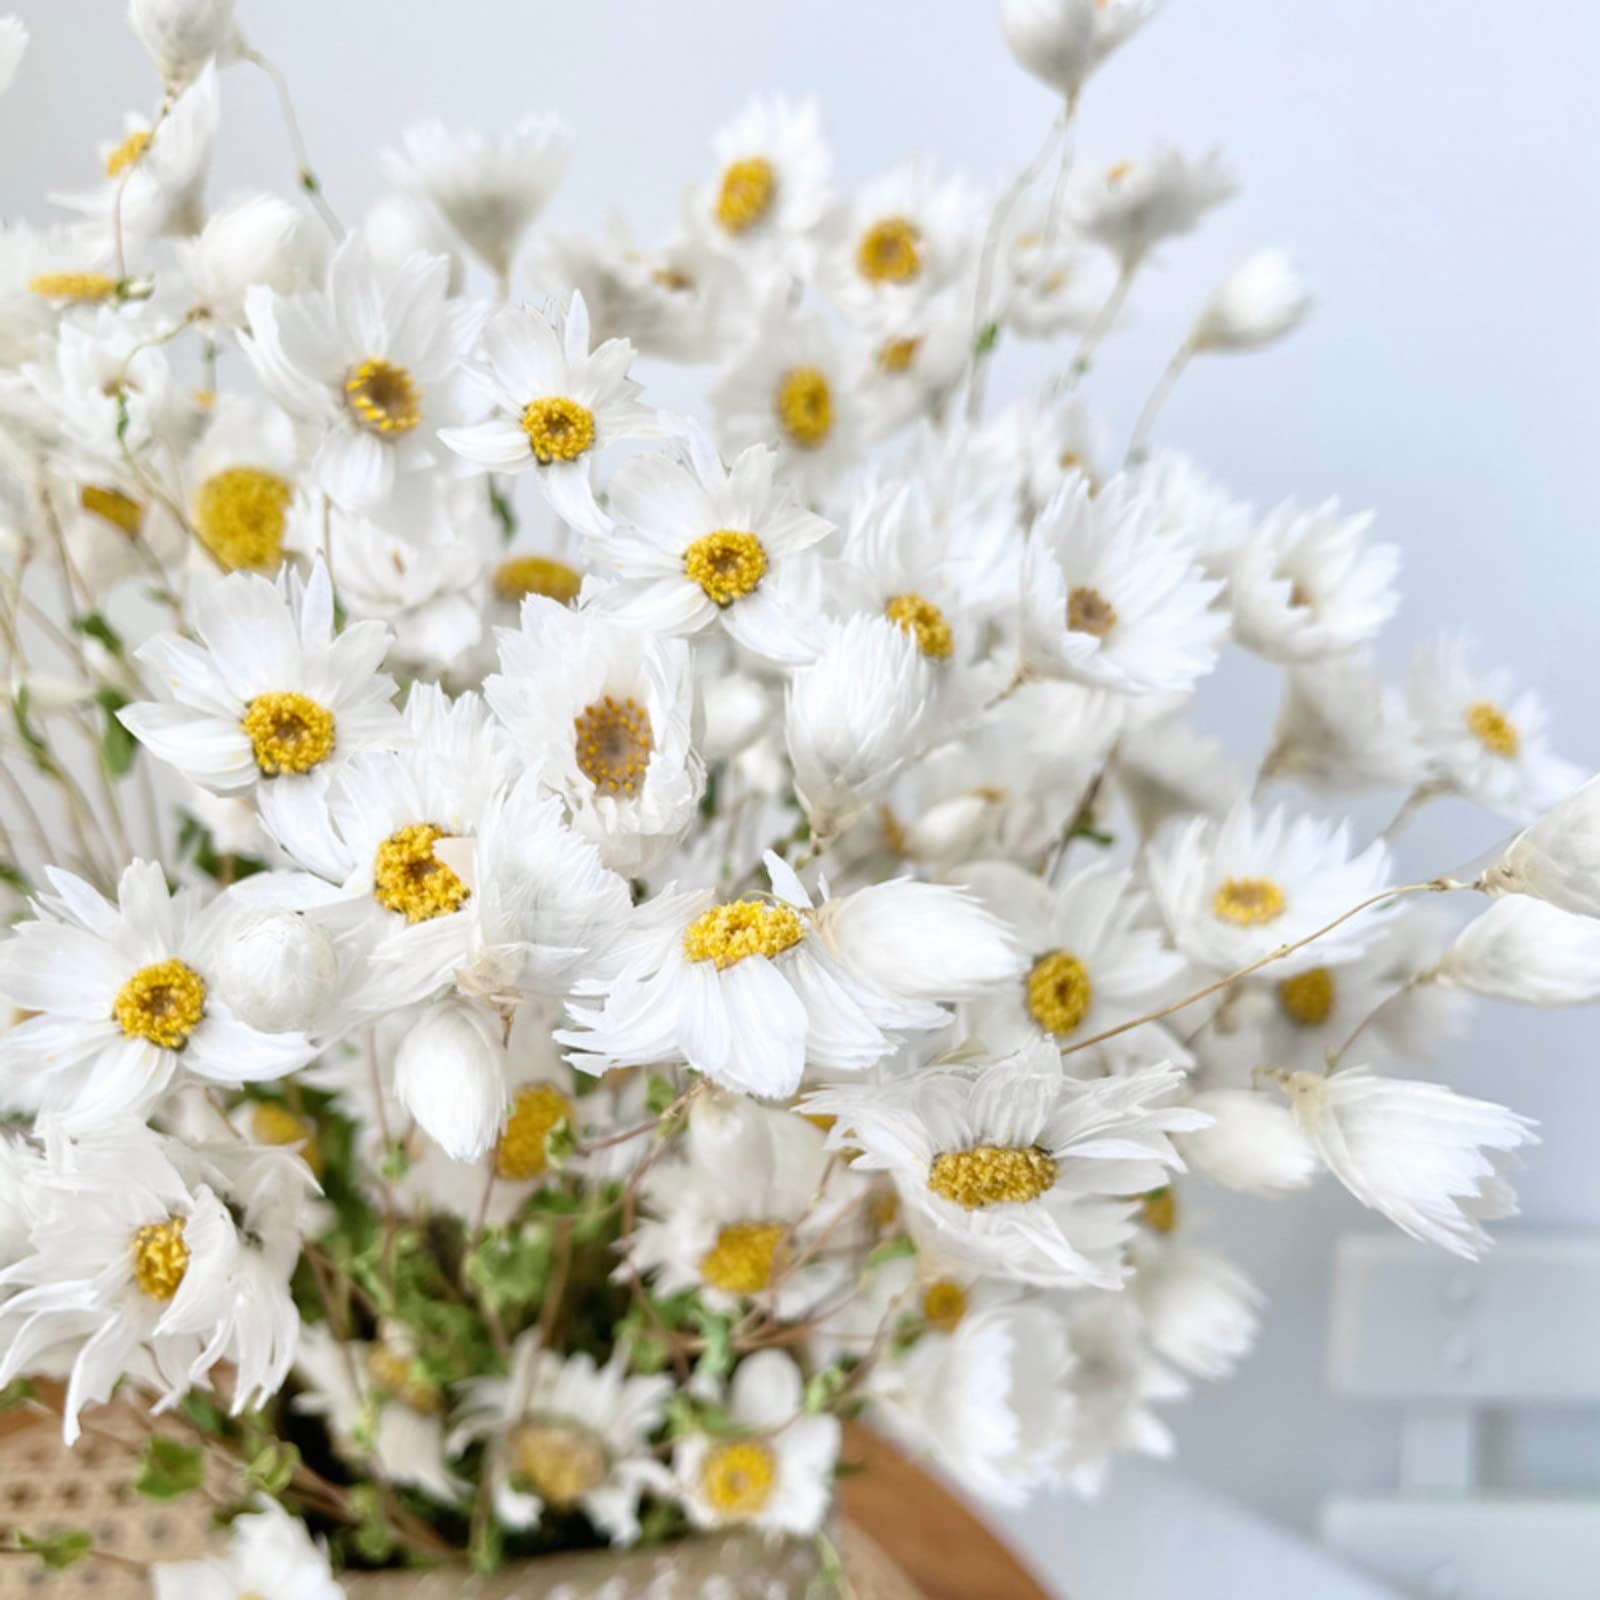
(183, 35)
(1253, 1145)
(1558, 858)
(1525, 950)
(277, 970)
(400, 225)
(450, 1074)
(947, 831)
(262, 239)
(1062, 41)
(1263, 300)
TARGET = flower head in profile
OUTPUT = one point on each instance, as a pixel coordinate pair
(269, 1552)
(1262, 301)
(1558, 858)
(1133, 206)
(1062, 41)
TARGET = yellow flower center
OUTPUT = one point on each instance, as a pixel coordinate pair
(407, 877)
(1118, 171)
(273, 1124)
(613, 740)
(163, 1003)
(991, 1175)
(1248, 902)
(1493, 729)
(525, 575)
(80, 286)
(890, 251)
(239, 514)
(129, 153)
(924, 621)
(288, 731)
(1158, 1210)
(944, 1304)
(384, 397)
(726, 564)
(561, 1461)
(896, 355)
(537, 1108)
(1059, 992)
(558, 429)
(743, 1258)
(160, 1258)
(738, 1478)
(805, 406)
(1307, 999)
(1088, 611)
(726, 934)
(748, 190)
(400, 1380)
(113, 506)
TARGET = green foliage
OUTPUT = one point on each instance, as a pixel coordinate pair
(57, 1551)
(117, 746)
(511, 1266)
(273, 1467)
(373, 1537)
(92, 625)
(168, 1468)
(823, 1388)
(894, 1250)
(16, 1393)
(195, 842)
(21, 716)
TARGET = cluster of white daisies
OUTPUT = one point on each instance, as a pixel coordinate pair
(757, 879)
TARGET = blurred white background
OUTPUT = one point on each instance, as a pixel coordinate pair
(1432, 167)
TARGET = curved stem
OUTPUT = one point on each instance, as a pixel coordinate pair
(1104, 320)
(1165, 384)
(308, 178)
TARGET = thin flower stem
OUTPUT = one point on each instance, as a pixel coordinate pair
(309, 181)
(1105, 319)
(1432, 886)
(117, 242)
(1411, 984)
(1138, 446)
(1423, 795)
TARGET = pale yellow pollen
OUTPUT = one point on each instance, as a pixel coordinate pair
(727, 564)
(129, 153)
(520, 576)
(399, 1378)
(991, 1175)
(1118, 171)
(384, 397)
(748, 189)
(612, 741)
(744, 1257)
(535, 1110)
(160, 1258)
(890, 251)
(407, 877)
(560, 1461)
(673, 279)
(77, 286)
(805, 406)
(924, 621)
(895, 838)
(896, 355)
(1307, 998)
(113, 506)
(273, 1124)
(944, 1304)
(728, 933)
(1493, 729)
(1248, 902)
(558, 429)
(1059, 992)
(288, 731)
(1158, 1210)
(738, 1478)
(239, 514)
(1088, 611)
(163, 1003)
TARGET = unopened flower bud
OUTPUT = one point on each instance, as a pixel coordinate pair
(1262, 301)
(277, 970)
(262, 239)
(183, 35)
(450, 1075)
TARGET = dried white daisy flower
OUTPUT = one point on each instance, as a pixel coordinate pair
(1262, 301)
(1529, 951)
(1132, 206)
(1062, 41)
(1252, 1143)
(267, 1549)
(1558, 858)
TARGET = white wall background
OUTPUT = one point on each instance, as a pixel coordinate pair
(1433, 165)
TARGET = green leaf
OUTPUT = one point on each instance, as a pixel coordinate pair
(658, 1095)
(16, 1393)
(894, 1250)
(500, 505)
(559, 1144)
(823, 1388)
(373, 1538)
(716, 1360)
(273, 1467)
(168, 1468)
(94, 626)
(202, 1414)
(117, 746)
(988, 338)
(21, 703)
(57, 1551)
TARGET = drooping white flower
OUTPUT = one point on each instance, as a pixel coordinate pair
(1558, 858)
(1253, 1143)
(269, 1552)
(450, 1074)
(1261, 302)
(488, 189)
(182, 36)
(1233, 891)
(1432, 1161)
(1483, 739)
(855, 716)
(1200, 1311)
(556, 404)
(259, 239)
(1310, 584)
(776, 1473)
(1529, 951)
(1062, 41)
(696, 543)
(1133, 206)
(370, 365)
(601, 711)
(271, 692)
(566, 1434)
(125, 1007)
(1015, 1167)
